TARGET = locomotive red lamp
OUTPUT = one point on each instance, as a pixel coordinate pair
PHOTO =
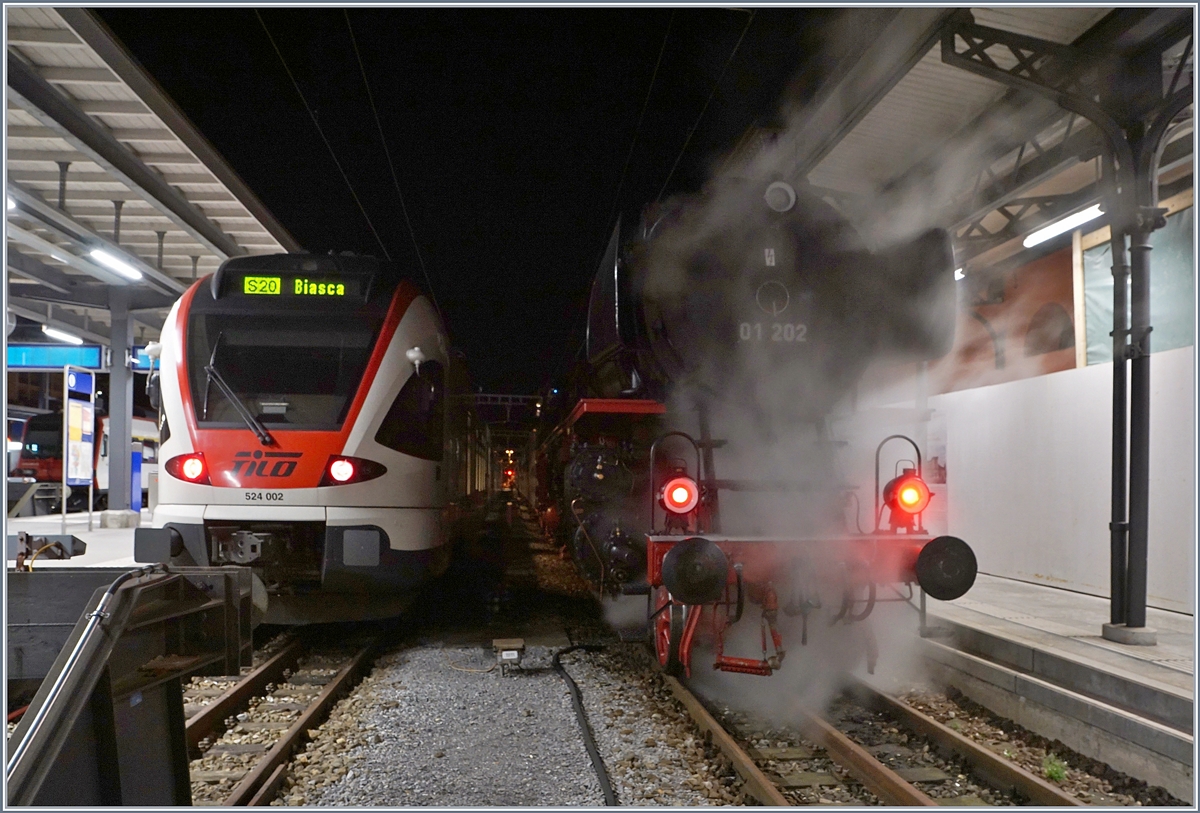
(906, 497)
(189, 467)
(679, 495)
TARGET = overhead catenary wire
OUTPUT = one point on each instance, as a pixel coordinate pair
(641, 118)
(391, 166)
(716, 85)
(321, 132)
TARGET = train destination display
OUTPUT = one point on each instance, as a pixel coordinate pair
(296, 286)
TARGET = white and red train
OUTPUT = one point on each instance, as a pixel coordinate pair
(308, 431)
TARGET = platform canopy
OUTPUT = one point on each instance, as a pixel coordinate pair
(912, 131)
(102, 165)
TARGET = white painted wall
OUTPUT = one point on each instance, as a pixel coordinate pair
(1028, 477)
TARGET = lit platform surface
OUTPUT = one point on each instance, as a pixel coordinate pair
(1035, 654)
(1068, 624)
(106, 547)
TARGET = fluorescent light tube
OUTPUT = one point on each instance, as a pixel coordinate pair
(116, 264)
(1064, 225)
(61, 335)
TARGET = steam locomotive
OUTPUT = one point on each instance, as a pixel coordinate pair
(693, 459)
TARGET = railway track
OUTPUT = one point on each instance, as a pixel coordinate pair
(875, 750)
(241, 740)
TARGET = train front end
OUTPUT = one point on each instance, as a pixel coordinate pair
(302, 417)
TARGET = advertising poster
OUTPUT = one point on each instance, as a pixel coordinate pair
(81, 417)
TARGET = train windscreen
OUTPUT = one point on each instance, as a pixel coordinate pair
(289, 370)
(43, 437)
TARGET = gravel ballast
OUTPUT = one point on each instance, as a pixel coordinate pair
(433, 726)
(423, 732)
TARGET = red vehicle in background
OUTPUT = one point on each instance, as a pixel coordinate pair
(41, 451)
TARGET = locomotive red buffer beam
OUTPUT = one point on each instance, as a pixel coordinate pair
(719, 573)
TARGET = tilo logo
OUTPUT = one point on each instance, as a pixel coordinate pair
(256, 463)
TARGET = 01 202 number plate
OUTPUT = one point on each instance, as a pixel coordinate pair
(787, 332)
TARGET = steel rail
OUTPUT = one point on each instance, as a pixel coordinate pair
(208, 719)
(997, 771)
(265, 772)
(757, 783)
(873, 774)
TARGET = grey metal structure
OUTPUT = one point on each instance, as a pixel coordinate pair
(100, 159)
(995, 122)
(107, 727)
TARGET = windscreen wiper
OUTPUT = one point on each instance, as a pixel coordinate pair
(214, 377)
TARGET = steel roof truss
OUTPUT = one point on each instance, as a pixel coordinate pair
(66, 320)
(42, 246)
(38, 271)
(86, 238)
(34, 94)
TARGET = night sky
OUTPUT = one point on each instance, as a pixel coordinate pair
(508, 129)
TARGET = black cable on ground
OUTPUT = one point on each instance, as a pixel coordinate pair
(589, 741)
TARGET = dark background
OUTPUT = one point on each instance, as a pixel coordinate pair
(508, 128)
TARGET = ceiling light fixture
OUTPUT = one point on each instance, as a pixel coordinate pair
(12, 204)
(116, 264)
(1064, 225)
(958, 274)
(61, 335)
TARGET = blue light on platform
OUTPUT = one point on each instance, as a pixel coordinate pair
(54, 356)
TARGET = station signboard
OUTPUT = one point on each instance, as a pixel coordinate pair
(79, 435)
(47, 357)
(79, 426)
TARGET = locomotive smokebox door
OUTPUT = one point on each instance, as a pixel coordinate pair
(695, 571)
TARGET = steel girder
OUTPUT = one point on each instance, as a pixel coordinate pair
(52, 109)
(81, 236)
(1040, 153)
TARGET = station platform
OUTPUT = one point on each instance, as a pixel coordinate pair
(106, 547)
(1035, 654)
(1069, 623)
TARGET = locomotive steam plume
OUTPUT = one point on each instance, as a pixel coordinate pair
(790, 427)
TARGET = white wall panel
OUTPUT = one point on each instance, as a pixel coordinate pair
(1029, 477)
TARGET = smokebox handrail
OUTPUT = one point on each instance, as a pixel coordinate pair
(653, 459)
(878, 511)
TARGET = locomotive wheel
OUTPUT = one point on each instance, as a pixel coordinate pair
(668, 631)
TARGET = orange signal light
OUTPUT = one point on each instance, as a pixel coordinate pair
(680, 495)
(907, 493)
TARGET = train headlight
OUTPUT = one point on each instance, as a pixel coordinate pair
(189, 467)
(680, 495)
(907, 494)
(342, 470)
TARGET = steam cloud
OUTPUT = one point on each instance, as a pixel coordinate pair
(751, 400)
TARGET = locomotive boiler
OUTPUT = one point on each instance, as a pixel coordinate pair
(694, 460)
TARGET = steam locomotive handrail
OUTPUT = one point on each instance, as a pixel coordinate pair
(878, 516)
(654, 485)
(591, 544)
